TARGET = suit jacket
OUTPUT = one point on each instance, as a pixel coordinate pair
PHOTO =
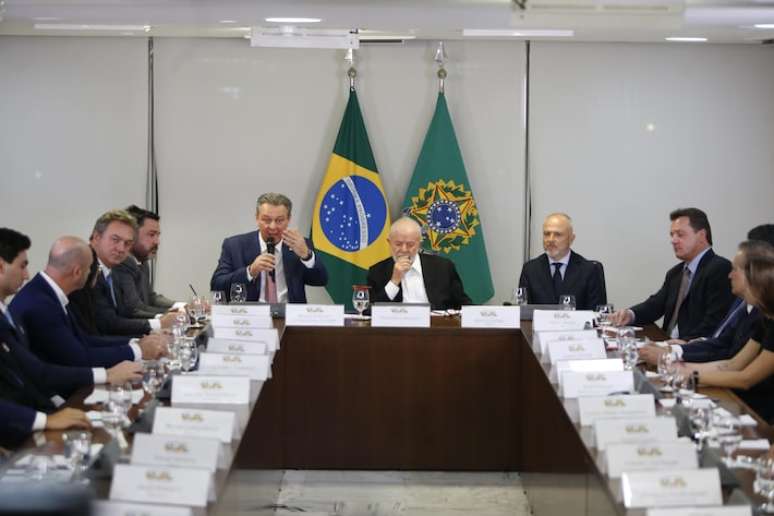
(239, 251)
(15, 423)
(583, 279)
(705, 304)
(442, 283)
(110, 320)
(733, 338)
(55, 336)
(133, 283)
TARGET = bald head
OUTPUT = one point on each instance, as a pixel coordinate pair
(69, 261)
(405, 236)
(558, 235)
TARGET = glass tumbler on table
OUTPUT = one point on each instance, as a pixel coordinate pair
(361, 298)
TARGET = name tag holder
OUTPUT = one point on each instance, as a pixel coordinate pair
(496, 317)
(400, 315)
(314, 315)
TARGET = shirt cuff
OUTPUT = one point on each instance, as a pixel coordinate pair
(310, 262)
(40, 422)
(677, 350)
(249, 276)
(100, 374)
(155, 324)
(134, 344)
(633, 315)
(391, 290)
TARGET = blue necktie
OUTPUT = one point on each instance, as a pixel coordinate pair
(557, 277)
(7, 314)
(109, 280)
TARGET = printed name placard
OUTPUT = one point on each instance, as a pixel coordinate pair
(575, 350)
(108, 508)
(214, 424)
(722, 510)
(595, 383)
(624, 458)
(596, 364)
(256, 310)
(484, 316)
(606, 407)
(397, 315)
(236, 347)
(542, 338)
(634, 430)
(267, 336)
(175, 451)
(210, 389)
(314, 315)
(158, 484)
(671, 488)
(240, 333)
(255, 367)
(562, 319)
(241, 321)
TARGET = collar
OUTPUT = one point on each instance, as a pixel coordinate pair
(103, 268)
(750, 308)
(416, 265)
(138, 262)
(564, 261)
(262, 243)
(694, 264)
(57, 290)
(3, 307)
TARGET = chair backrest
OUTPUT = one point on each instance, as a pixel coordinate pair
(601, 274)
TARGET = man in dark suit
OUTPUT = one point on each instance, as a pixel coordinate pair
(561, 271)
(410, 277)
(275, 262)
(132, 276)
(112, 238)
(696, 293)
(53, 333)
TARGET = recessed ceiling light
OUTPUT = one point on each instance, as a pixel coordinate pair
(386, 37)
(227, 21)
(682, 39)
(81, 26)
(45, 18)
(764, 25)
(519, 33)
(293, 20)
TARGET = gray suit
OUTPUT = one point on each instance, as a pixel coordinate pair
(132, 282)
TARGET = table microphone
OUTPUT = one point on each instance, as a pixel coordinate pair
(270, 246)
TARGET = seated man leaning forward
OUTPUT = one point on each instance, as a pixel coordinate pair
(275, 262)
(415, 278)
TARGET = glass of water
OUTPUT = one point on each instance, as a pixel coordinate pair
(603, 315)
(189, 354)
(567, 301)
(120, 400)
(519, 297)
(764, 483)
(666, 369)
(728, 434)
(360, 298)
(218, 297)
(77, 448)
(152, 377)
(238, 293)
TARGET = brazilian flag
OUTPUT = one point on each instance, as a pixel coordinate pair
(440, 198)
(351, 219)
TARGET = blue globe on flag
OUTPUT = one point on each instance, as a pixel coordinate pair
(353, 213)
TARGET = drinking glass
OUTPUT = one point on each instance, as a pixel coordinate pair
(218, 297)
(360, 298)
(567, 301)
(727, 433)
(189, 353)
(197, 309)
(519, 296)
(77, 448)
(764, 483)
(238, 293)
(666, 368)
(700, 418)
(604, 312)
(152, 377)
(181, 324)
(120, 400)
(173, 363)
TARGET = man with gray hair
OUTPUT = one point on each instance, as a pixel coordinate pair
(275, 262)
(561, 271)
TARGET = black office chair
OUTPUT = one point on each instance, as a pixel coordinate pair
(601, 272)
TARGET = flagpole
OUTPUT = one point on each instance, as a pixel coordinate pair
(351, 72)
(440, 58)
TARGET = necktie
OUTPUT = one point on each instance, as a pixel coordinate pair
(271, 289)
(557, 277)
(684, 283)
(7, 314)
(109, 280)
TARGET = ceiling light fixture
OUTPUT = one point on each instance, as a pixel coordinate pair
(81, 26)
(518, 33)
(227, 21)
(683, 39)
(764, 25)
(293, 20)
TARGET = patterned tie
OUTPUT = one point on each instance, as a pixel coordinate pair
(684, 283)
(557, 277)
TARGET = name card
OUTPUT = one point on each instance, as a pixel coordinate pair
(255, 367)
(541, 339)
(157, 484)
(212, 424)
(671, 489)
(210, 389)
(175, 451)
(562, 319)
(482, 316)
(253, 334)
(241, 321)
(236, 347)
(314, 315)
(107, 508)
(575, 350)
(625, 458)
(727, 510)
(595, 383)
(397, 315)
(596, 364)
(262, 310)
(634, 430)
(266, 336)
(608, 407)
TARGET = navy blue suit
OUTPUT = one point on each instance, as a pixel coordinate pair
(583, 279)
(239, 251)
(15, 423)
(56, 337)
(730, 341)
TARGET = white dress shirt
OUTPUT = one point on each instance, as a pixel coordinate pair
(564, 261)
(279, 272)
(412, 284)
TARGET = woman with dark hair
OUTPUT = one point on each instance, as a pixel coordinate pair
(82, 302)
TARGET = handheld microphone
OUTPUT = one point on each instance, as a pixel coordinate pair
(270, 247)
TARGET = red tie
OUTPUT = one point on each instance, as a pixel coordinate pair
(271, 289)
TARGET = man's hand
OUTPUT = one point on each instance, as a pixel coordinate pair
(650, 353)
(67, 418)
(168, 320)
(402, 265)
(263, 262)
(126, 371)
(621, 317)
(153, 346)
(675, 341)
(296, 242)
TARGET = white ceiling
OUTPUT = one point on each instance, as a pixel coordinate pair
(721, 21)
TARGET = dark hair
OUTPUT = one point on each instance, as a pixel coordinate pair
(12, 243)
(140, 214)
(696, 218)
(764, 232)
(759, 272)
